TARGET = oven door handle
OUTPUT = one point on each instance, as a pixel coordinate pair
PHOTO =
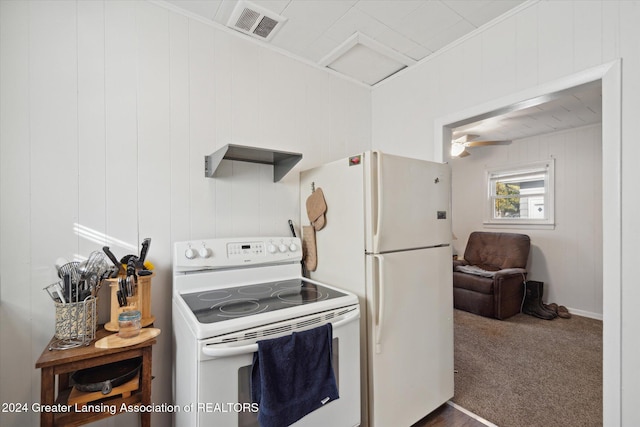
(252, 348)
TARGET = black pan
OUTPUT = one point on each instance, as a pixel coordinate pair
(104, 378)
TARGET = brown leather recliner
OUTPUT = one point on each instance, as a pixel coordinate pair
(489, 280)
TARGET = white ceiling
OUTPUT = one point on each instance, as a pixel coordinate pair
(571, 108)
(315, 28)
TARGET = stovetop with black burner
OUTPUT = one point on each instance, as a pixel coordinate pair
(224, 304)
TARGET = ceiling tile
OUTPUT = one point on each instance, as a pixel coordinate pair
(449, 35)
(317, 13)
(295, 37)
(399, 42)
(321, 47)
(427, 21)
(366, 65)
(352, 21)
(205, 8)
(224, 11)
(490, 11)
(418, 53)
(466, 8)
(276, 6)
(389, 12)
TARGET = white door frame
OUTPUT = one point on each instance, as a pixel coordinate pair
(611, 76)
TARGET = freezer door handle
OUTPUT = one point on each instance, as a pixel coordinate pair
(218, 352)
(379, 204)
(380, 300)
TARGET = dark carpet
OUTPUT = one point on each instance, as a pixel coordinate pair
(526, 371)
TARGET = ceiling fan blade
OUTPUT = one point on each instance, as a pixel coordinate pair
(485, 143)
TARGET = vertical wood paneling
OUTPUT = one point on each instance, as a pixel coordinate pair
(555, 39)
(498, 59)
(610, 16)
(526, 56)
(15, 226)
(223, 77)
(154, 176)
(107, 111)
(121, 99)
(92, 198)
(202, 101)
(179, 126)
(315, 130)
(470, 77)
(245, 87)
(223, 54)
(245, 198)
(54, 155)
(587, 34)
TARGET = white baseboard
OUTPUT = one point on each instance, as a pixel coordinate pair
(583, 313)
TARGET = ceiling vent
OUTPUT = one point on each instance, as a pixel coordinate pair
(255, 21)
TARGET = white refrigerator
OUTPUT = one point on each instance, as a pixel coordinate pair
(387, 239)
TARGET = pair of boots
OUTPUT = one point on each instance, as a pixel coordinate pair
(533, 302)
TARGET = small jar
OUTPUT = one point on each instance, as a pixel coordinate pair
(129, 324)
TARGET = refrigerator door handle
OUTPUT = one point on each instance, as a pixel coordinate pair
(380, 300)
(379, 204)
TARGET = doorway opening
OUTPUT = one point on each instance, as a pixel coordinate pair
(608, 78)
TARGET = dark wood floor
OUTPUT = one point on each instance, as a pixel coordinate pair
(448, 416)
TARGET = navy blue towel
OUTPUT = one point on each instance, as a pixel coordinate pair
(292, 376)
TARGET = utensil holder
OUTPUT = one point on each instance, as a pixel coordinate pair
(140, 301)
(75, 324)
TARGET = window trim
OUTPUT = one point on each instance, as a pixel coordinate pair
(546, 166)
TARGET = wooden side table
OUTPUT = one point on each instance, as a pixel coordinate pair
(62, 363)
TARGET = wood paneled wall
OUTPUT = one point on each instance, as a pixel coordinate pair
(107, 110)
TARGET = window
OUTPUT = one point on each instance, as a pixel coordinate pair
(521, 195)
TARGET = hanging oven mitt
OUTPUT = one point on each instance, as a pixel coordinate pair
(316, 208)
(309, 254)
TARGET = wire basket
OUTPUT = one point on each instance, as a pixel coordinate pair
(75, 324)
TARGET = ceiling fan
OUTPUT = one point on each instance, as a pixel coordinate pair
(459, 145)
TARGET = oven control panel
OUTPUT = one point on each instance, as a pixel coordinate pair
(235, 252)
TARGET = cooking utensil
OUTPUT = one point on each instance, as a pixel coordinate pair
(67, 287)
(143, 252)
(55, 292)
(92, 270)
(113, 259)
(103, 378)
(121, 299)
(131, 269)
(71, 269)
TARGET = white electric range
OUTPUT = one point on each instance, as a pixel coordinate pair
(230, 293)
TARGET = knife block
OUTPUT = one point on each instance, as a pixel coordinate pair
(140, 301)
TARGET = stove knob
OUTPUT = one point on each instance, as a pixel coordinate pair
(282, 247)
(293, 247)
(190, 253)
(204, 252)
(272, 248)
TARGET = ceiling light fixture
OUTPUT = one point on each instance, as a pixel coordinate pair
(365, 59)
(458, 150)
